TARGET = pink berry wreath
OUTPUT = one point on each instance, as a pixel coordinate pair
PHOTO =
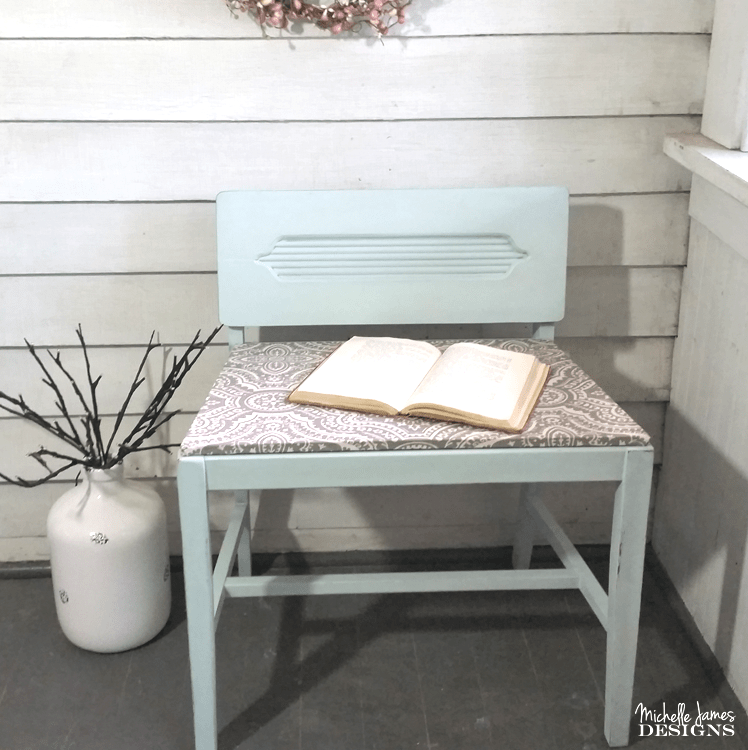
(339, 15)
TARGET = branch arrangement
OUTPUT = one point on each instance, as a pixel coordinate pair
(337, 16)
(86, 446)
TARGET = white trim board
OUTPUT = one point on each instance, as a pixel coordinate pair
(726, 102)
(722, 167)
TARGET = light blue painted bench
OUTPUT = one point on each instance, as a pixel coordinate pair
(401, 257)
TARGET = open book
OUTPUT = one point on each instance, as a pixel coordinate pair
(472, 383)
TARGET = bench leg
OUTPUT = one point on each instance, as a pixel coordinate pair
(624, 592)
(244, 552)
(525, 534)
(198, 582)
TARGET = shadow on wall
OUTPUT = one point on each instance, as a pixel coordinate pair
(595, 235)
(699, 535)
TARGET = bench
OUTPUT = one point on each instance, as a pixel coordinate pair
(386, 257)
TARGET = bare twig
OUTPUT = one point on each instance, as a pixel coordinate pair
(144, 428)
(27, 413)
(36, 482)
(49, 381)
(90, 412)
(136, 383)
(166, 447)
(92, 385)
(90, 443)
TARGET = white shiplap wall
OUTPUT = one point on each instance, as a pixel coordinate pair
(119, 124)
(701, 516)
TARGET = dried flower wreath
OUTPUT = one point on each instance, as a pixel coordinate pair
(339, 15)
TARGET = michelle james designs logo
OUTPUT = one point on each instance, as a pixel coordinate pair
(662, 723)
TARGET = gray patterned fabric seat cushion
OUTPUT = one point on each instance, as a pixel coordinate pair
(247, 410)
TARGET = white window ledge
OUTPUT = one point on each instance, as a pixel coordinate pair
(723, 168)
(719, 192)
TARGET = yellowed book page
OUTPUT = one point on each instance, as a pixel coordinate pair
(530, 394)
(380, 369)
(476, 379)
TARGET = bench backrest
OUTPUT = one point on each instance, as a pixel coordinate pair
(358, 257)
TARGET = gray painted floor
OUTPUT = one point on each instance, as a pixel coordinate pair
(510, 670)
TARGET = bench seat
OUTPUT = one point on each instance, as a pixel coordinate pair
(247, 411)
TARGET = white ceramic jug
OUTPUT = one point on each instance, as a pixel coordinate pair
(110, 562)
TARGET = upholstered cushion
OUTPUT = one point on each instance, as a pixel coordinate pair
(247, 410)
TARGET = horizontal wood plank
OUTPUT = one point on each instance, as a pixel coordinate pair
(511, 76)
(621, 302)
(211, 18)
(18, 438)
(628, 369)
(22, 511)
(587, 519)
(117, 366)
(334, 519)
(604, 230)
(627, 230)
(125, 309)
(195, 161)
(103, 238)
(492, 533)
(111, 310)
